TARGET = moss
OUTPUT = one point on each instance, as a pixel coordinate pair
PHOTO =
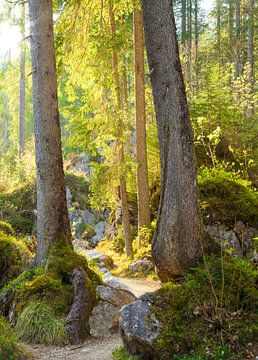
(227, 198)
(10, 349)
(120, 354)
(220, 304)
(14, 256)
(6, 228)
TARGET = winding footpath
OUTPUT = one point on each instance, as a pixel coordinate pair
(93, 349)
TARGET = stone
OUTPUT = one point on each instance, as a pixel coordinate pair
(104, 320)
(100, 230)
(140, 329)
(141, 265)
(113, 281)
(80, 245)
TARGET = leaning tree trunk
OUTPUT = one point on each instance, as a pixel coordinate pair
(177, 243)
(140, 117)
(22, 84)
(52, 214)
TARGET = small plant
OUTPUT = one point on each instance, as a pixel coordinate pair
(120, 354)
(38, 324)
(6, 228)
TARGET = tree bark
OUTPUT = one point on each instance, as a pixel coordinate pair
(250, 50)
(238, 25)
(219, 29)
(141, 142)
(177, 243)
(183, 21)
(120, 144)
(5, 126)
(52, 215)
(22, 84)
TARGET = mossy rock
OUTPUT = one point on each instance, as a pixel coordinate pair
(10, 349)
(216, 305)
(79, 188)
(14, 256)
(226, 198)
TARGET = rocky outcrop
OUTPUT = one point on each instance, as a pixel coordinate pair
(141, 265)
(104, 319)
(140, 328)
(237, 239)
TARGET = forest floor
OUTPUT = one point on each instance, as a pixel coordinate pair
(93, 349)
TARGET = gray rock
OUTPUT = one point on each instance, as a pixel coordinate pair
(100, 230)
(104, 320)
(141, 265)
(114, 282)
(140, 329)
(80, 245)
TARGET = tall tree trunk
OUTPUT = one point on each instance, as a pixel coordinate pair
(183, 20)
(120, 144)
(141, 142)
(52, 215)
(5, 126)
(219, 29)
(22, 84)
(231, 28)
(196, 43)
(238, 25)
(250, 50)
(177, 243)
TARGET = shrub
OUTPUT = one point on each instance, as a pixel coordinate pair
(9, 348)
(120, 354)
(37, 324)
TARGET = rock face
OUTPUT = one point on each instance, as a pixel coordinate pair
(141, 265)
(238, 239)
(104, 319)
(140, 329)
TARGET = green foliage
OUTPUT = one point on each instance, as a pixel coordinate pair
(220, 307)
(37, 324)
(9, 348)
(226, 197)
(120, 354)
(14, 256)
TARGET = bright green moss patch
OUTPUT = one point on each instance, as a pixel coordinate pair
(38, 324)
(9, 347)
(6, 228)
(227, 198)
(14, 256)
(215, 308)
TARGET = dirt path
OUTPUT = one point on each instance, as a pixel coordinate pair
(92, 349)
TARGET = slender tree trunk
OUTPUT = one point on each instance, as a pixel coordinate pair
(183, 20)
(52, 215)
(250, 50)
(177, 243)
(22, 84)
(196, 43)
(120, 144)
(219, 29)
(141, 142)
(5, 126)
(231, 29)
(238, 25)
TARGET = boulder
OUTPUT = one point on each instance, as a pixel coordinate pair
(104, 320)
(80, 245)
(113, 281)
(100, 233)
(141, 265)
(140, 329)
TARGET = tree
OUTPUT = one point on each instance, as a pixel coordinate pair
(120, 143)
(238, 45)
(22, 84)
(141, 146)
(52, 213)
(177, 242)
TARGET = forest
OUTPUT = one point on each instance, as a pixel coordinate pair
(128, 180)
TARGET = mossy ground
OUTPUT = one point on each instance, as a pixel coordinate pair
(14, 255)
(213, 315)
(50, 285)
